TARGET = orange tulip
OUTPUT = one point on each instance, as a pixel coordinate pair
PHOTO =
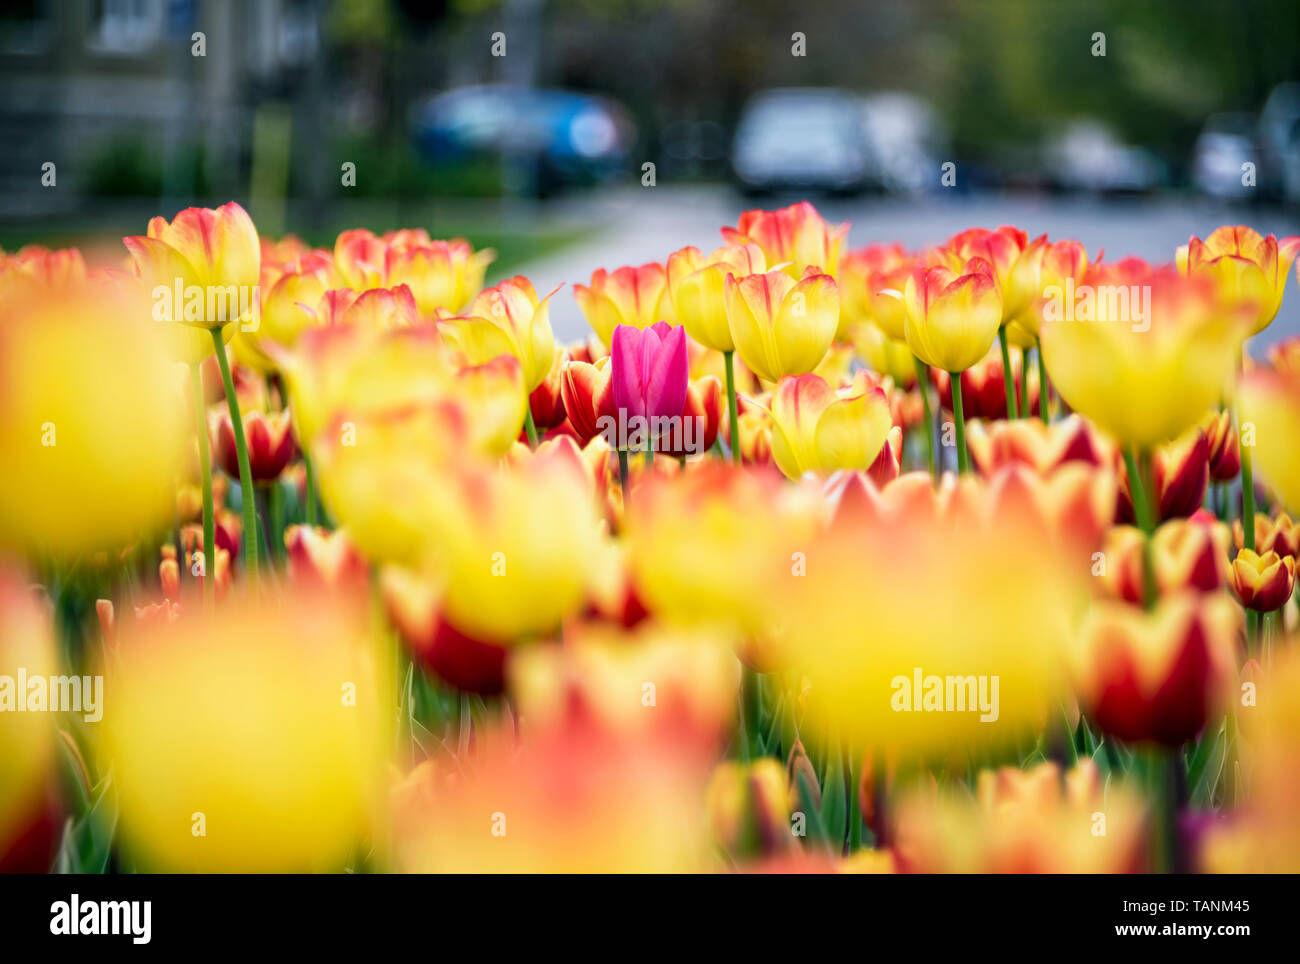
(1248, 269)
(627, 296)
(795, 236)
(440, 274)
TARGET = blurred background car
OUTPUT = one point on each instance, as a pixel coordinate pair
(802, 139)
(549, 139)
(907, 139)
(1222, 149)
(1087, 156)
(1279, 141)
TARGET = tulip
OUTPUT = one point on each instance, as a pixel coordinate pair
(747, 809)
(1186, 554)
(1247, 268)
(519, 550)
(1023, 821)
(284, 291)
(951, 322)
(817, 429)
(648, 375)
(1041, 447)
(211, 250)
(28, 823)
(697, 287)
(795, 236)
(1144, 380)
(91, 422)
(322, 559)
(627, 296)
(1280, 535)
(864, 275)
(508, 319)
(600, 672)
(440, 274)
(699, 545)
(570, 798)
(1264, 582)
(781, 326)
(215, 252)
(703, 409)
(1157, 675)
(469, 663)
(270, 444)
(546, 403)
(1221, 438)
(35, 266)
(1249, 273)
(1180, 475)
(238, 726)
(1269, 409)
(588, 397)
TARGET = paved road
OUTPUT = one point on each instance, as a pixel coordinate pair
(636, 225)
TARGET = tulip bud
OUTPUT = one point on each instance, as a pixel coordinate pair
(1263, 582)
(747, 809)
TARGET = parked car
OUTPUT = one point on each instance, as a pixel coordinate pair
(1087, 156)
(1225, 144)
(1279, 138)
(554, 137)
(907, 139)
(807, 139)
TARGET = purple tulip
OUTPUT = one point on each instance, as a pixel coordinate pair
(649, 371)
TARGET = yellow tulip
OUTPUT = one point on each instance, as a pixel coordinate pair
(440, 274)
(1270, 418)
(92, 421)
(394, 486)
(27, 740)
(507, 320)
(1248, 269)
(816, 429)
(885, 355)
(781, 326)
(267, 729)
(213, 254)
(1150, 373)
(697, 286)
(520, 554)
(952, 316)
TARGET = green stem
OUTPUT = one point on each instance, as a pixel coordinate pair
(1252, 633)
(1026, 409)
(733, 415)
(205, 470)
(1044, 389)
(310, 485)
(1008, 379)
(1247, 480)
(922, 376)
(530, 426)
(622, 475)
(275, 503)
(959, 420)
(1142, 509)
(246, 496)
(1168, 787)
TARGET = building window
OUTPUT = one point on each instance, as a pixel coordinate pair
(125, 26)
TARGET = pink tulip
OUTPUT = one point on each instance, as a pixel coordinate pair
(649, 370)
